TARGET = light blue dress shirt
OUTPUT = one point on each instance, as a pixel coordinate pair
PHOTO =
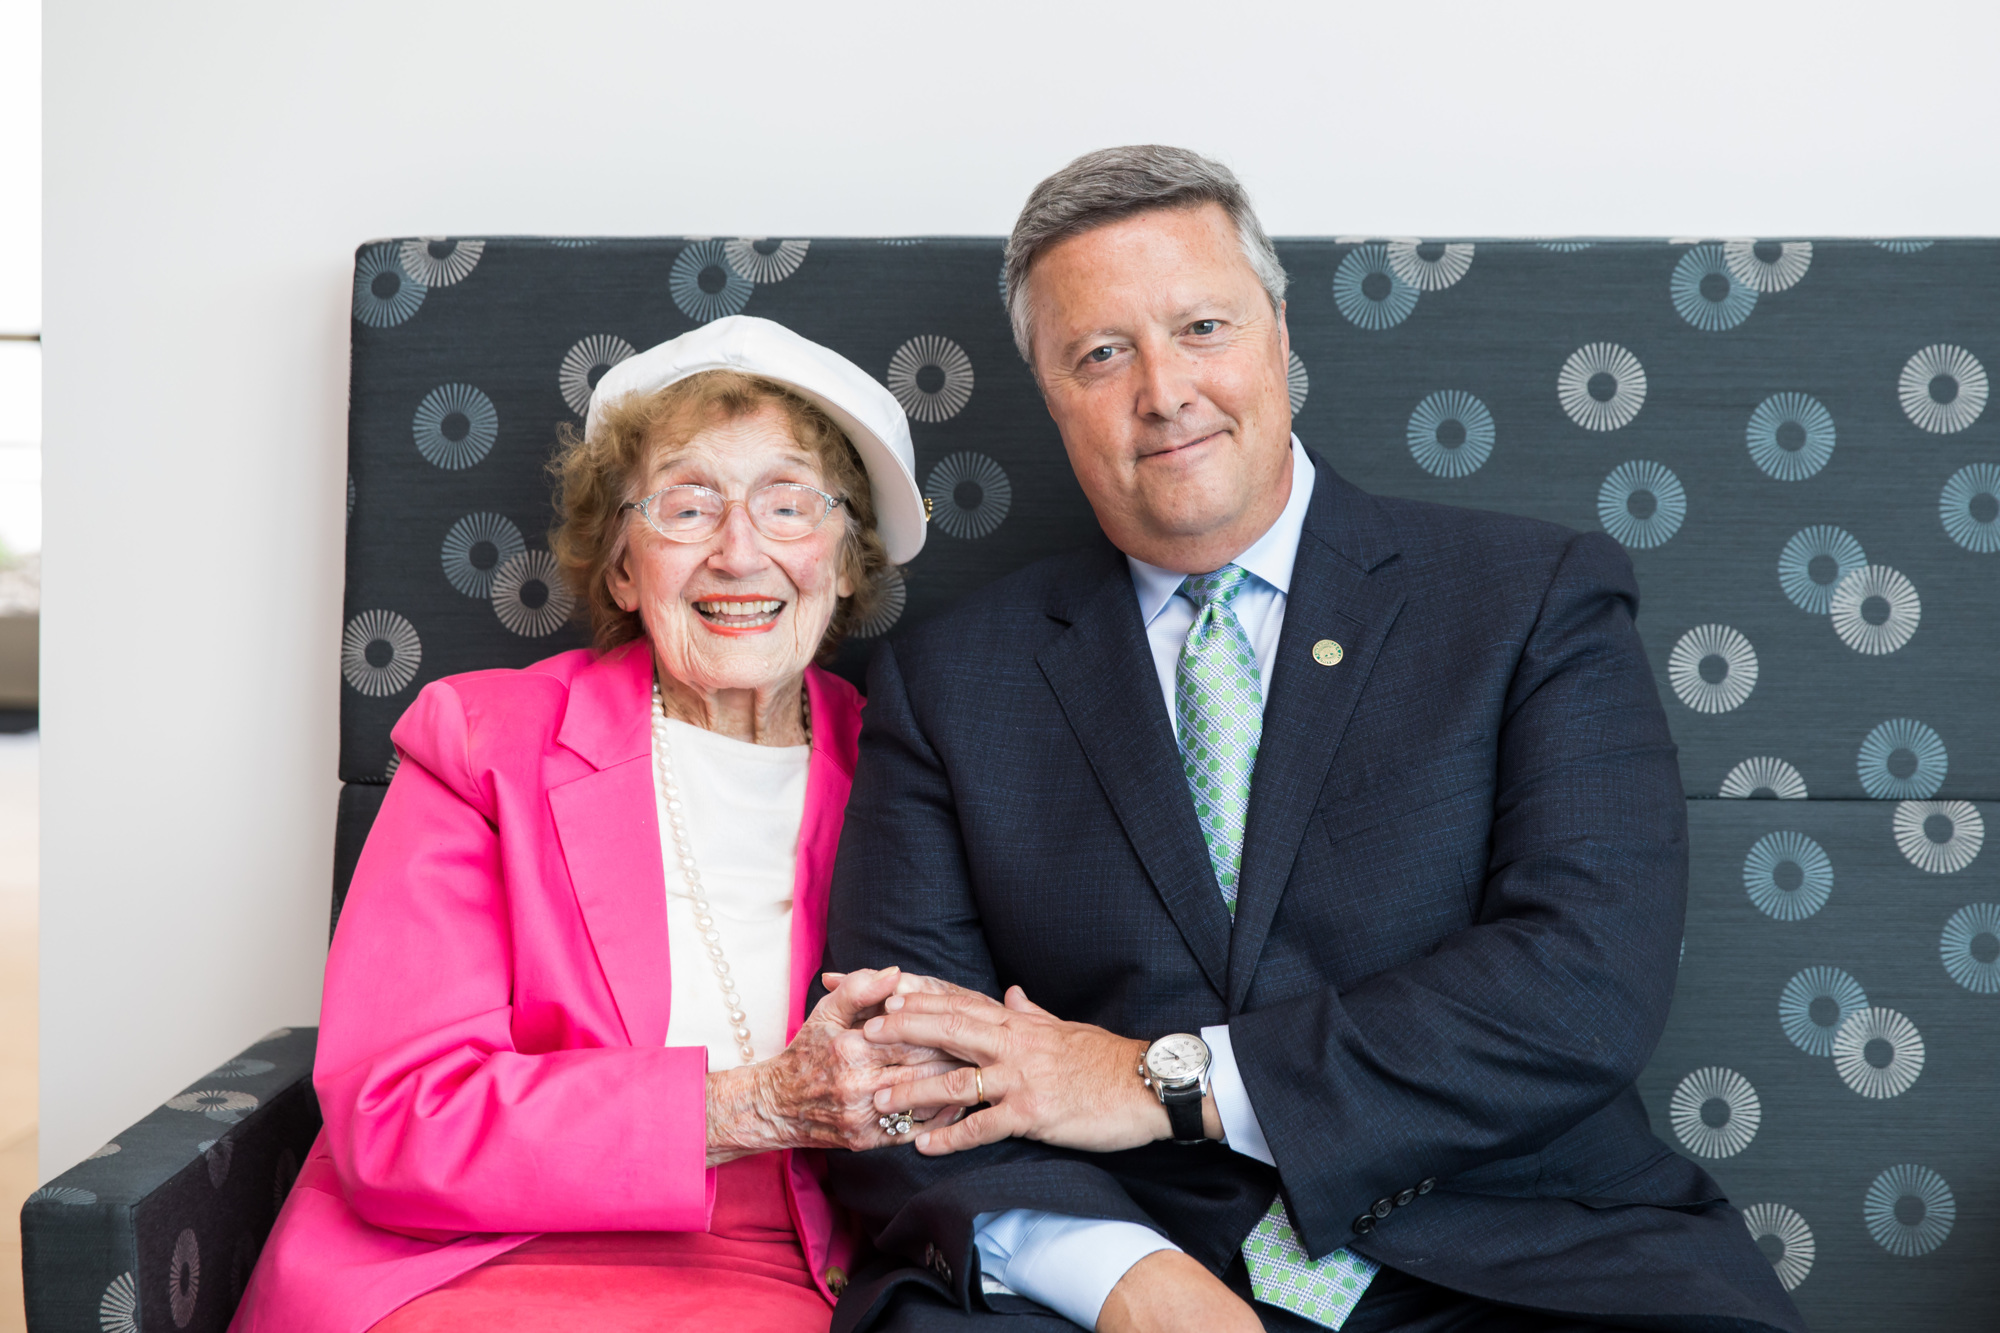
(1070, 1264)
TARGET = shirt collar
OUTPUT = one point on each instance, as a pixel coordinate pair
(1269, 558)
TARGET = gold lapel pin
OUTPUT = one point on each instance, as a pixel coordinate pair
(1326, 652)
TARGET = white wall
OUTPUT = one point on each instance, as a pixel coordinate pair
(210, 166)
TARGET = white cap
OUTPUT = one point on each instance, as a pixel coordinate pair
(858, 404)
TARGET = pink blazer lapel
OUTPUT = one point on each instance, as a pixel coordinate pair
(608, 823)
(836, 712)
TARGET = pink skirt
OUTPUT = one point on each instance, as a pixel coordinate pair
(746, 1273)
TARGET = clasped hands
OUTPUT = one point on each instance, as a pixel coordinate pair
(1028, 1073)
(972, 1071)
(969, 1070)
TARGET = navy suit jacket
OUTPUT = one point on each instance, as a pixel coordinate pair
(1456, 933)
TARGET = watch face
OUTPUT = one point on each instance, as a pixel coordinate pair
(1178, 1058)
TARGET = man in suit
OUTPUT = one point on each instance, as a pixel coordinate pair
(1344, 835)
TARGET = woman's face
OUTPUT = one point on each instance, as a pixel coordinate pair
(735, 611)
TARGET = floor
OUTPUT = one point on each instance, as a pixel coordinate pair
(20, 860)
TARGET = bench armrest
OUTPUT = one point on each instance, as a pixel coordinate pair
(160, 1227)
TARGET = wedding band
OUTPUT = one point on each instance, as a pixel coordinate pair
(978, 1086)
(899, 1123)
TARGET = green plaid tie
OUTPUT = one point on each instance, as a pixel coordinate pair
(1219, 704)
(1220, 707)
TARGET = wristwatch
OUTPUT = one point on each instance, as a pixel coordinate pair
(1176, 1068)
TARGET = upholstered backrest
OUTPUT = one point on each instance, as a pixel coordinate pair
(1793, 440)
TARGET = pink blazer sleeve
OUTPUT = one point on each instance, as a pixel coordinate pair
(438, 1123)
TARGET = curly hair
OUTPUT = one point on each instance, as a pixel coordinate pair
(597, 474)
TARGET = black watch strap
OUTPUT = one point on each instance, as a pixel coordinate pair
(1184, 1115)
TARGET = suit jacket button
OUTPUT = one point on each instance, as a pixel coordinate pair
(1403, 1199)
(1383, 1208)
(1364, 1224)
(1427, 1186)
(836, 1279)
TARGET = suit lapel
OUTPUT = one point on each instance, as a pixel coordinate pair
(608, 824)
(1103, 677)
(1345, 587)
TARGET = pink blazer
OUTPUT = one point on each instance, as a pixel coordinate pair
(490, 1062)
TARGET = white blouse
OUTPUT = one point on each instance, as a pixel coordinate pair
(743, 805)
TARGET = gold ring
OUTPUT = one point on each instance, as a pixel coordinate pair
(978, 1085)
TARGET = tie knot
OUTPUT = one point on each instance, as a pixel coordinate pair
(1214, 588)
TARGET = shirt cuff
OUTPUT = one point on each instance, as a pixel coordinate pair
(1069, 1264)
(1240, 1129)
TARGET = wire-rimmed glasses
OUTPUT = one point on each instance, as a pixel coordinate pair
(784, 511)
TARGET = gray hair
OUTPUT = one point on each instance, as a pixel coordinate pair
(1115, 183)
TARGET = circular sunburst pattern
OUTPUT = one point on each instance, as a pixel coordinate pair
(1763, 777)
(108, 1150)
(384, 293)
(243, 1066)
(1297, 382)
(68, 1195)
(1715, 1112)
(218, 1153)
(1712, 668)
(931, 377)
(379, 653)
(762, 260)
(584, 364)
(1787, 876)
(1430, 266)
(1943, 388)
(1368, 292)
(1790, 436)
(1815, 560)
(1970, 507)
(705, 285)
(474, 550)
(1602, 386)
(1904, 247)
(439, 261)
(1815, 1003)
(1707, 294)
(1970, 947)
(1562, 245)
(1942, 837)
(969, 495)
(1767, 266)
(455, 426)
(530, 595)
(1641, 504)
(1878, 1052)
(1784, 1238)
(888, 608)
(1874, 609)
(1901, 760)
(1450, 434)
(118, 1308)
(184, 1278)
(1909, 1210)
(224, 1104)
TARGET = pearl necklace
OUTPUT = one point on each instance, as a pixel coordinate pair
(704, 915)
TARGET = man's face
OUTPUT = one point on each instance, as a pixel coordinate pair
(1164, 365)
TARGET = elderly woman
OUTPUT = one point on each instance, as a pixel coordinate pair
(565, 1066)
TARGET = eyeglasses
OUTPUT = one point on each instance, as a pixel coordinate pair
(784, 511)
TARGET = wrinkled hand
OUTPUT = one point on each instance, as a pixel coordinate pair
(1167, 1292)
(1068, 1084)
(819, 1092)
